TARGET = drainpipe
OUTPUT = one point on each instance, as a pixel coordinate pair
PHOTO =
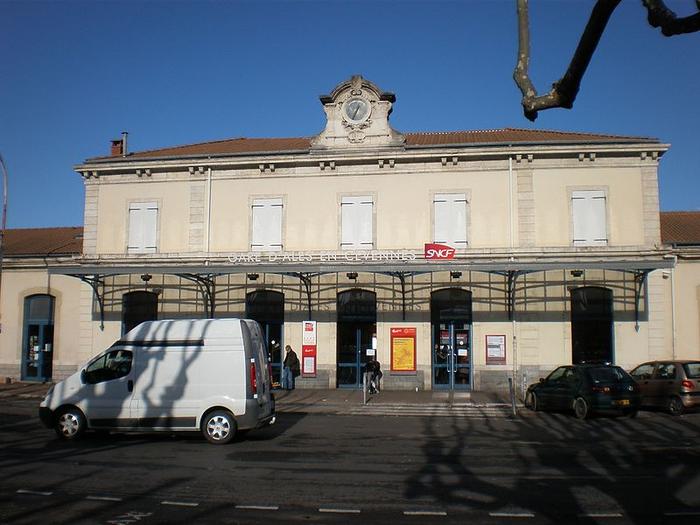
(510, 198)
(208, 235)
(673, 309)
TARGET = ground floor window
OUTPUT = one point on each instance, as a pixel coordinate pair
(356, 329)
(591, 324)
(267, 308)
(138, 307)
(451, 323)
(37, 345)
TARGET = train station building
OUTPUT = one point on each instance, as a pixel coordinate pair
(458, 259)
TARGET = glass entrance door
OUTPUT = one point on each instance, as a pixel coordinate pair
(452, 356)
(356, 326)
(37, 347)
(354, 339)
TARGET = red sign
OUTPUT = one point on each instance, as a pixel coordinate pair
(308, 349)
(438, 251)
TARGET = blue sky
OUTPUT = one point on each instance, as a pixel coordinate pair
(74, 74)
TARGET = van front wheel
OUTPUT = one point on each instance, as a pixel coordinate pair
(219, 427)
(70, 423)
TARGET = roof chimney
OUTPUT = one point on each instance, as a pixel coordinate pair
(119, 146)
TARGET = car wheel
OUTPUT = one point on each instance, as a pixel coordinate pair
(219, 427)
(531, 401)
(70, 423)
(675, 406)
(581, 409)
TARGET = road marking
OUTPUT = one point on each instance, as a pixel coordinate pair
(511, 514)
(601, 515)
(681, 513)
(33, 492)
(424, 513)
(179, 503)
(257, 507)
(340, 511)
(102, 498)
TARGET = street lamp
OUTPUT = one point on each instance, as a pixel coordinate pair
(2, 227)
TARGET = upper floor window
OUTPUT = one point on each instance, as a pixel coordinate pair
(267, 225)
(589, 218)
(143, 227)
(450, 219)
(356, 218)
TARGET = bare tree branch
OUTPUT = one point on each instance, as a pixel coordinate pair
(661, 16)
(564, 91)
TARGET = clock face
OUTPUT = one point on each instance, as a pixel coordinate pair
(356, 109)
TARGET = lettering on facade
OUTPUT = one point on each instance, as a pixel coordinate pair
(308, 257)
(435, 251)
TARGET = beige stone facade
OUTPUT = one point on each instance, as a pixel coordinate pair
(540, 215)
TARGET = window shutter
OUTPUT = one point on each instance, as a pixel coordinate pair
(450, 219)
(356, 216)
(143, 227)
(267, 224)
(590, 225)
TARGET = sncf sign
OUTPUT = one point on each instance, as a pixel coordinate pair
(438, 251)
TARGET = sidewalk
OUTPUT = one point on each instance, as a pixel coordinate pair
(335, 401)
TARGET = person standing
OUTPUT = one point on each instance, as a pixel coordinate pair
(290, 368)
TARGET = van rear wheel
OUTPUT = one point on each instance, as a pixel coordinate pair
(219, 427)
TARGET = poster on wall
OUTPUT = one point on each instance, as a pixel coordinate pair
(308, 348)
(403, 349)
(495, 349)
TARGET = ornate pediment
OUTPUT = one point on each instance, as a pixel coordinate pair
(357, 114)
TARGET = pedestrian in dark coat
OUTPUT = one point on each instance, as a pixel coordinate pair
(291, 368)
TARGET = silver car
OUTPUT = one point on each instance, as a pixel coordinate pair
(673, 385)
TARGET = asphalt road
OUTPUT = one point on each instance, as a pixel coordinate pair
(318, 468)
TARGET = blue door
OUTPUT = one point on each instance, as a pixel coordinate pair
(451, 321)
(356, 328)
(37, 340)
(452, 357)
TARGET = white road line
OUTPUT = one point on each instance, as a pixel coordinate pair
(511, 514)
(257, 507)
(340, 511)
(179, 503)
(600, 515)
(424, 513)
(34, 492)
(102, 498)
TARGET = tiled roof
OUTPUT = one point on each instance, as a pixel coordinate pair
(504, 136)
(43, 241)
(680, 227)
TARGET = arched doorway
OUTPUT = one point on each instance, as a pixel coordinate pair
(591, 324)
(37, 338)
(138, 307)
(356, 327)
(451, 323)
(267, 308)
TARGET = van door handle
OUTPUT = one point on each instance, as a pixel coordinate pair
(130, 385)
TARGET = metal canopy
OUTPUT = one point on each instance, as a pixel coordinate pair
(628, 264)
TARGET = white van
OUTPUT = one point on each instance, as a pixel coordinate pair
(210, 375)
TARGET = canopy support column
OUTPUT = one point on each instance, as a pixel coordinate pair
(207, 286)
(95, 281)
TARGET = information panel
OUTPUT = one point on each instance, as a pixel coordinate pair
(403, 349)
(495, 349)
(308, 348)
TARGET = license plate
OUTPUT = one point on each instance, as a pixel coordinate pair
(622, 402)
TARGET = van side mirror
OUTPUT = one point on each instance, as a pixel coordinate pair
(541, 379)
(83, 376)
